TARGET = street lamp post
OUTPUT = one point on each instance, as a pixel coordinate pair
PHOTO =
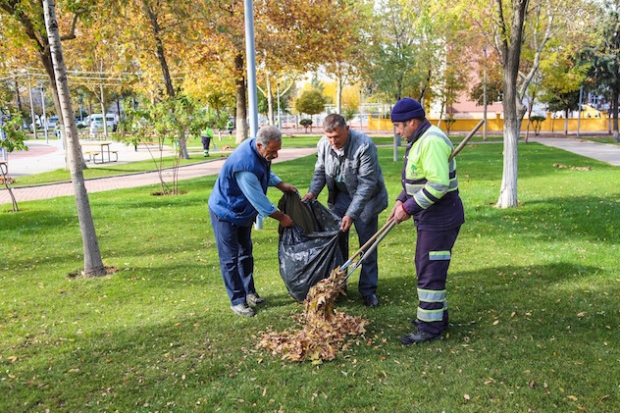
(361, 112)
(250, 52)
(485, 103)
(34, 124)
(44, 120)
(279, 121)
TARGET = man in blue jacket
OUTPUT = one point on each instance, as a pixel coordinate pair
(431, 196)
(348, 164)
(239, 195)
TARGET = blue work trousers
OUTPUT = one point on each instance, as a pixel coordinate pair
(432, 260)
(234, 247)
(369, 275)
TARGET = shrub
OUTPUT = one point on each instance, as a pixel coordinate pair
(306, 123)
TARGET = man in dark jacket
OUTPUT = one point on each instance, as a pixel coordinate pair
(348, 164)
(431, 196)
(237, 198)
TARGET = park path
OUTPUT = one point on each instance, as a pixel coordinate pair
(207, 168)
(40, 157)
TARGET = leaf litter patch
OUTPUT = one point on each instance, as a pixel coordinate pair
(324, 331)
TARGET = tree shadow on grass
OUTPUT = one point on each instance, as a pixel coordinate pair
(549, 294)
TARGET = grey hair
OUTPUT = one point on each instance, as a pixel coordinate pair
(268, 134)
(334, 121)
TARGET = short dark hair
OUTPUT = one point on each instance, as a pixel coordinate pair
(334, 121)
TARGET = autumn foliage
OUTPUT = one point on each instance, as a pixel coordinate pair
(324, 330)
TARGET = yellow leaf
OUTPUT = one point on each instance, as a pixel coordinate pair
(571, 397)
(496, 322)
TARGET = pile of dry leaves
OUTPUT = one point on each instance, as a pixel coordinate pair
(572, 168)
(324, 329)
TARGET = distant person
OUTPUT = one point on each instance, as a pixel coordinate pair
(230, 126)
(93, 129)
(348, 164)
(207, 135)
(238, 197)
(430, 195)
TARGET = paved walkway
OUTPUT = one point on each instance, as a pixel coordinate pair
(43, 158)
(600, 151)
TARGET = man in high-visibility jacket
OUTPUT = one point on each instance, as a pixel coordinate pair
(431, 196)
(207, 135)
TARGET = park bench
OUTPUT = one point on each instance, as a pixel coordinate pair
(99, 152)
(91, 155)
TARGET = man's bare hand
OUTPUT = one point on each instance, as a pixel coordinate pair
(286, 221)
(400, 214)
(398, 205)
(346, 223)
(309, 196)
(284, 187)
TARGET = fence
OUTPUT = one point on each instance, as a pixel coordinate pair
(600, 124)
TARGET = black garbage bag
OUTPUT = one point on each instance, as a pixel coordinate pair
(310, 250)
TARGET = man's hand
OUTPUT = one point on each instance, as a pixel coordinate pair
(284, 187)
(309, 196)
(398, 205)
(346, 223)
(398, 213)
(286, 221)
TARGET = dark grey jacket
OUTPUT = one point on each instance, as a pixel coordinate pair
(361, 174)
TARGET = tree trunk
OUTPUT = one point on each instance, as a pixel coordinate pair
(614, 108)
(93, 264)
(339, 91)
(511, 56)
(17, 96)
(103, 110)
(183, 154)
(530, 107)
(163, 63)
(242, 112)
(269, 97)
(48, 65)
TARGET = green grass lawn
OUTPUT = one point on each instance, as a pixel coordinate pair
(533, 292)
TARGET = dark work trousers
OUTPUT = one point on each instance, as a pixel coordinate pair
(206, 142)
(234, 247)
(432, 259)
(369, 275)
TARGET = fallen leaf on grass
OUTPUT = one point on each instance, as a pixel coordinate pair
(571, 397)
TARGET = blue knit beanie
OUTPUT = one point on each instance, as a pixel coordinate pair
(406, 109)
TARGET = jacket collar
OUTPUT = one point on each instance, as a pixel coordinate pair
(424, 126)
